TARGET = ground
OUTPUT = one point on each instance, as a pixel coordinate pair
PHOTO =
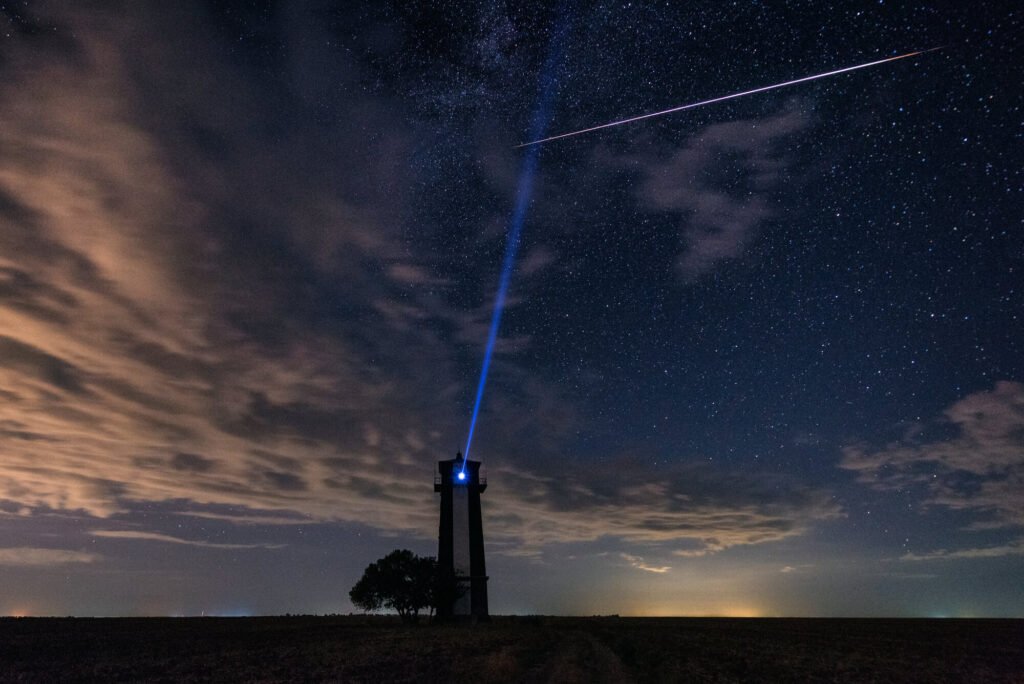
(513, 649)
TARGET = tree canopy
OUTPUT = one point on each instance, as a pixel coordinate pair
(400, 581)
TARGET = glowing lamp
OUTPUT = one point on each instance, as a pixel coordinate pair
(462, 476)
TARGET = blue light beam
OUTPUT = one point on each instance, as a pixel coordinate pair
(524, 193)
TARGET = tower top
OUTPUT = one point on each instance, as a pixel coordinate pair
(459, 471)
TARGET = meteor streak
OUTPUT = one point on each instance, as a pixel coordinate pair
(726, 97)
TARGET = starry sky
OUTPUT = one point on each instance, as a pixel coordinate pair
(763, 357)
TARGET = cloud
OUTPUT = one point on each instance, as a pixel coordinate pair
(37, 366)
(693, 511)
(162, 298)
(283, 481)
(639, 563)
(414, 275)
(34, 557)
(536, 260)
(192, 463)
(979, 469)
(155, 536)
(719, 183)
(1014, 548)
(203, 309)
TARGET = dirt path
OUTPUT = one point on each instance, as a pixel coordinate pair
(580, 658)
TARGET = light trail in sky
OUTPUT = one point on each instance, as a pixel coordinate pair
(726, 97)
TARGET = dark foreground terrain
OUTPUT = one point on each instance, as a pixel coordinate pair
(357, 649)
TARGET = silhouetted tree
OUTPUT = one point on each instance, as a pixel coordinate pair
(401, 581)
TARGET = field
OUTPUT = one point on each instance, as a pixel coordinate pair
(513, 649)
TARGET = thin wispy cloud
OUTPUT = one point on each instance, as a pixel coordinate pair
(168, 539)
(720, 184)
(1015, 548)
(640, 564)
(41, 557)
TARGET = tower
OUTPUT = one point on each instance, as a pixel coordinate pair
(460, 538)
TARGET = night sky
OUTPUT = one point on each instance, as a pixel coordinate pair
(764, 357)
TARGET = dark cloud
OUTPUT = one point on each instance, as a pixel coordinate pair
(13, 429)
(277, 460)
(300, 419)
(192, 463)
(160, 358)
(35, 363)
(285, 482)
(21, 290)
(14, 212)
